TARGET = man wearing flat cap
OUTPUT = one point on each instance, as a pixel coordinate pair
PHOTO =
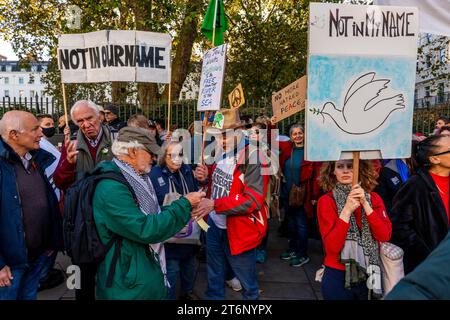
(141, 271)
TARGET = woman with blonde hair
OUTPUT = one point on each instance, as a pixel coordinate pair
(352, 220)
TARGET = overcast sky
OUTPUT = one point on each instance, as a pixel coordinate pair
(7, 51)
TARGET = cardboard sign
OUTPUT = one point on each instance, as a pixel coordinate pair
(236, 97)
(115, 55)
(289, 100)
(211, 82)
(361, 78)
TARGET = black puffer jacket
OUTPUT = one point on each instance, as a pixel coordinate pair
(419, 219)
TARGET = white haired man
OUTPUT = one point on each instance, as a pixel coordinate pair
(141, 273)
(30, 222)
(92, 145)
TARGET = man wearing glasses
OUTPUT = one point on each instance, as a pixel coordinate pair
(112, 117)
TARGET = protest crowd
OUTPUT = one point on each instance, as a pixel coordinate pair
(140, 193)
(136, 203)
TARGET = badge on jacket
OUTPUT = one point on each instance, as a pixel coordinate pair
(161, 181)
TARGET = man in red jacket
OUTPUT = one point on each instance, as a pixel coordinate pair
(237, 211)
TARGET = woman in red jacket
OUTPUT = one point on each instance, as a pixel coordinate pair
(352, 220)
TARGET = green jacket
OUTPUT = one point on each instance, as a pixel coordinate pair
(138, 276)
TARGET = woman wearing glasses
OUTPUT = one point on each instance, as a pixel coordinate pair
(170, 179)
(420, 212)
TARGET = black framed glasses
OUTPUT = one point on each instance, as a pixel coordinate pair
(441, 153)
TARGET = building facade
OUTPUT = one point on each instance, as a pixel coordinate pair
(433, 71)
(19, 83)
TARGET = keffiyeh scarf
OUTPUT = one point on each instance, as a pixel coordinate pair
(360, 254)
(148, 204)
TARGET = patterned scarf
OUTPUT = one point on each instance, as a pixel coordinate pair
(148, 204)
(360, 254)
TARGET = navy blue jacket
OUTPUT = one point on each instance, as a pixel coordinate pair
(13, 252)
(160, 180)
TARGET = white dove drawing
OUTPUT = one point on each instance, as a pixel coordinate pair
(364, 110)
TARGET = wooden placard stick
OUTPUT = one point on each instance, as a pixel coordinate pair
(169, 106)
(356, 155)
(66, 116)
(204, 125)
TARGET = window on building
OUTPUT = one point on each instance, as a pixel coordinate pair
(21, 80)
(441, 87)
(428, 60)
(6, 80)
(31, 79)
(21, 93)
(7, 93)
(183, 95)
(442, 55)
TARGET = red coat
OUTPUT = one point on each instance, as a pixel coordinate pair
(334, 230)
(309, 173)
(245, 205)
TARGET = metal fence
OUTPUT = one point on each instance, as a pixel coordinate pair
(185, 112)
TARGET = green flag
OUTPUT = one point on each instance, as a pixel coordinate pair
(221, 22)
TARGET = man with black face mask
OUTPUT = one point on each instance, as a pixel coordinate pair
(50, 277)
(48, 129)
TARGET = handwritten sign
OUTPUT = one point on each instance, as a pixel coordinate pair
(211, 82)
(361, 79)
(115, 55)
(289, 100)
(236, 97)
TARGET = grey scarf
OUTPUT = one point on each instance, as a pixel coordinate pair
(360, 254)
(148, 204)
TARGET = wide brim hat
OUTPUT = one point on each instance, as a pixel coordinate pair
(226, 119)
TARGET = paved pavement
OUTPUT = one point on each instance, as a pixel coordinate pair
(277, 279)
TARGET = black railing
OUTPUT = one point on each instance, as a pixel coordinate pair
(431, 101)
(185, 112)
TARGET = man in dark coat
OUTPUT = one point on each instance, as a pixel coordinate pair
(30, 222)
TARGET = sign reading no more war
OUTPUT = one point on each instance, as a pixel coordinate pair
(361, 79)
(211, 82)
(115, 55)
(289, 100)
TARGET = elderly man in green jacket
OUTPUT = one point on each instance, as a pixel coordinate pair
(140, 269)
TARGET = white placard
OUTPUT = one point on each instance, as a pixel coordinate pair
(211, 82)
(361, 79)
(115, 55)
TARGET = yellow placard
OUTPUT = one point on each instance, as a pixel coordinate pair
(203, 224)
(236, 97)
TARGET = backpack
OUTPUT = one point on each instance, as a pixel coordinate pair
(81, 238)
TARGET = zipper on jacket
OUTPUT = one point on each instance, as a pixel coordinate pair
(21, 215)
